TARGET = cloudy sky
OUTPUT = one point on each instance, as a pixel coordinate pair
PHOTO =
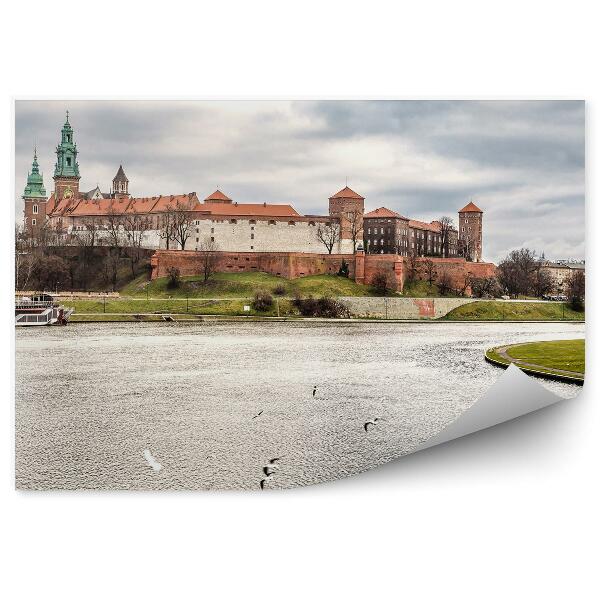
(521, 162)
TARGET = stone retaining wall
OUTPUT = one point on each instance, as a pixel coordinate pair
(402, 308)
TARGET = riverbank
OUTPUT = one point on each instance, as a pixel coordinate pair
(384, 309)
(563, 360)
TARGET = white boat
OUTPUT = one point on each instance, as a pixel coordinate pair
(40, 310)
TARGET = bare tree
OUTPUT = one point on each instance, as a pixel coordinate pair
(86, 238)
(413, 267)
(446, 225)
(209, 251)
(182, 222)
(444, 282)
(167, 226)
(355, 221)
(329, 234)
(485, 287)
(515, 272)
(576, 289)
(429, 271)
(541, 280)
(468, 245)
(133, 226)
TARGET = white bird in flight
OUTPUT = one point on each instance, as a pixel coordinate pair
(152, 461)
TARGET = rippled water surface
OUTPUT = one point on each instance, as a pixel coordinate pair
(92, 399)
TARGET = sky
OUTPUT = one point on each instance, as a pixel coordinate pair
(521, 162)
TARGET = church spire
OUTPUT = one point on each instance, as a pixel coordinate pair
(35, 181)
(66, 153)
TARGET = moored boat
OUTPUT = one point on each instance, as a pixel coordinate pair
(41, 309)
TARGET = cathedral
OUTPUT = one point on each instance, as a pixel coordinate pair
(232, 226)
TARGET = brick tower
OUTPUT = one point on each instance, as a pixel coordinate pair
(349, 208)
(35, 199)
(66, 170)
(470, 232)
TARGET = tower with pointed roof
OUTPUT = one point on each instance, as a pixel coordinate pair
(120, 184)
(470, 232)
(348, 207)
(35, 199)
(66, 169)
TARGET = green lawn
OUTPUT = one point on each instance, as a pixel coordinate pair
(513, 311)
(563, 354)
(567, 355)
(422, 289)
(244, 285)
(193, 306)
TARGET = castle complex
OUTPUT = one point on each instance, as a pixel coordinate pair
(183, 222)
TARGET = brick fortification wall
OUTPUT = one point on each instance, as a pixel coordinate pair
(363, 268)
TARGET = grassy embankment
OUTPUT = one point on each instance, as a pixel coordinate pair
(224, 294)
(514, 311)
(567, 355)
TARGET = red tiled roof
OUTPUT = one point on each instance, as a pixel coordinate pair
(164, 203)
(217, 195)
(433, 226)
(470, 208)
(347, 193)
(383, 212)
(242, 210)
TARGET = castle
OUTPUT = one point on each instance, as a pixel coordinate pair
(183, 222)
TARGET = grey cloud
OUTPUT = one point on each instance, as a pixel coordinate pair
(521, 161)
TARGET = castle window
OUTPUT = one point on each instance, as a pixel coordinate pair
(212, 229)
(233, 221)
(68, 161)
(35, 209)
(271, 222)
(212, 239)
(291, 222)
(197, 230)
(252, 222)
(251, 247)
(251, 236)
(33, 221)
(251, 228)
(311, 223)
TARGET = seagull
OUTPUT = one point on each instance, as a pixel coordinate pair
(258, 415)
(152, 461)
(262, 484)
(268, 471)
(372, 422)
(274, 460)
(314, 391)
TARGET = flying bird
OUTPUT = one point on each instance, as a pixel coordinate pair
(152, 461)
(262, 484)
(268, 471)
(314, 391)
(258, 415)
(371, 422)
(274, 460)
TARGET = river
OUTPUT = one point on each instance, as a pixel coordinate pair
(93, 401)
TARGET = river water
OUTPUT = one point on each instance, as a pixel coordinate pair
(99, 406)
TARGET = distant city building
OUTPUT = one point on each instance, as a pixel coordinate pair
(561, 271)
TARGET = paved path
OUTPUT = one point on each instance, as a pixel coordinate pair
(502, 351)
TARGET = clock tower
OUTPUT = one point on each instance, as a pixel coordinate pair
(66, 169)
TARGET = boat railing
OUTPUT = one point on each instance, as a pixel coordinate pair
(44, 317)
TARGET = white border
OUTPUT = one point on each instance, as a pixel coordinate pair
(507, 513)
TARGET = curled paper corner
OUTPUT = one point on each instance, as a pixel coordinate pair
(514, 394)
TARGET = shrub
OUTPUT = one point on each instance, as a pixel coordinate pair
(262, 302)
(279, 290)
(380, 282)
(174, 280)
(323, 307)
(344, 269)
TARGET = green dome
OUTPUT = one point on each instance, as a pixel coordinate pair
(35, 182)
